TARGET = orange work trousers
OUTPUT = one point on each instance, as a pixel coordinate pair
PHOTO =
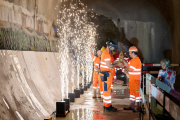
(134, 86)
(95, 79)
(113, 73)
(100, 85)
(107, 90)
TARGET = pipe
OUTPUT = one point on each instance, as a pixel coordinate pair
(35, 10)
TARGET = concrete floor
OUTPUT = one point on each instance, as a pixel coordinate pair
(87, 108)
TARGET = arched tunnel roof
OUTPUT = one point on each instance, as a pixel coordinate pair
(141, 21)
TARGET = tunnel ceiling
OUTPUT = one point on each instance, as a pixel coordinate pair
(144, 20)
(130, 9)
(164, 6)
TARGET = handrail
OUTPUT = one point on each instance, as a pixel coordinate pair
(163, 94)
(158, 65)
(155, 65)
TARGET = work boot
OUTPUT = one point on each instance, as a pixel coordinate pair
(130, 107)
(137, 109)
(94, 93)
(110, 109)
(98, 93)
(124, 83)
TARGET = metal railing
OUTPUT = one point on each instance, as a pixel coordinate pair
(153, 68)
(159, 100)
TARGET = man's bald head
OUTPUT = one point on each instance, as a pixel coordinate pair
(99, 53)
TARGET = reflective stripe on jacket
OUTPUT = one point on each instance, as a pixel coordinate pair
(135, 68)
(96, 60)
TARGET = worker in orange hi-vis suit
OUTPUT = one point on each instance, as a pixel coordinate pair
(106, 76)
(99, 78)
(96, 60)
(113, 73)
(134, 71)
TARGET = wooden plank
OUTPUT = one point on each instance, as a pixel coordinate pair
(156, 93)
(148, 78)
(175, 65)
(175, 94)
(146, 104)
(172, 108)
(48, 118)
(154, 72)
(147, 109)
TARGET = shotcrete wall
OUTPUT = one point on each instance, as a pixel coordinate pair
(37, 14)
(30, 84)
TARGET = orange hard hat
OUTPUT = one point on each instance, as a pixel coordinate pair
(133, 49)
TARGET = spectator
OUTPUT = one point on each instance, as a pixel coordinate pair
(166, 75)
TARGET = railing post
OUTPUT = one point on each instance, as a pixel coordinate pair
(164, 96)
(149, 100)
(149, 111)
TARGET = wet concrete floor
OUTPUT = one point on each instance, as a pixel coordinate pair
(87, 108)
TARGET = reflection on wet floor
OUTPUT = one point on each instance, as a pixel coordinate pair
(78, 114)
(85, 114)
(87, 108)
(119, 91)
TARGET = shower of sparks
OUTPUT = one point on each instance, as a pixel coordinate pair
(76, 35)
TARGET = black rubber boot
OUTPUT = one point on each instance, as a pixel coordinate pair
(130, 107)
(110, 109)
(98, 93)
(137, 109)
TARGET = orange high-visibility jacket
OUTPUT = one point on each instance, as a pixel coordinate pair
(135, 67)
(96, 61)
(105, 57)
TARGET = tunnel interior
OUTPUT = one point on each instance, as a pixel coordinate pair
(45, 46)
